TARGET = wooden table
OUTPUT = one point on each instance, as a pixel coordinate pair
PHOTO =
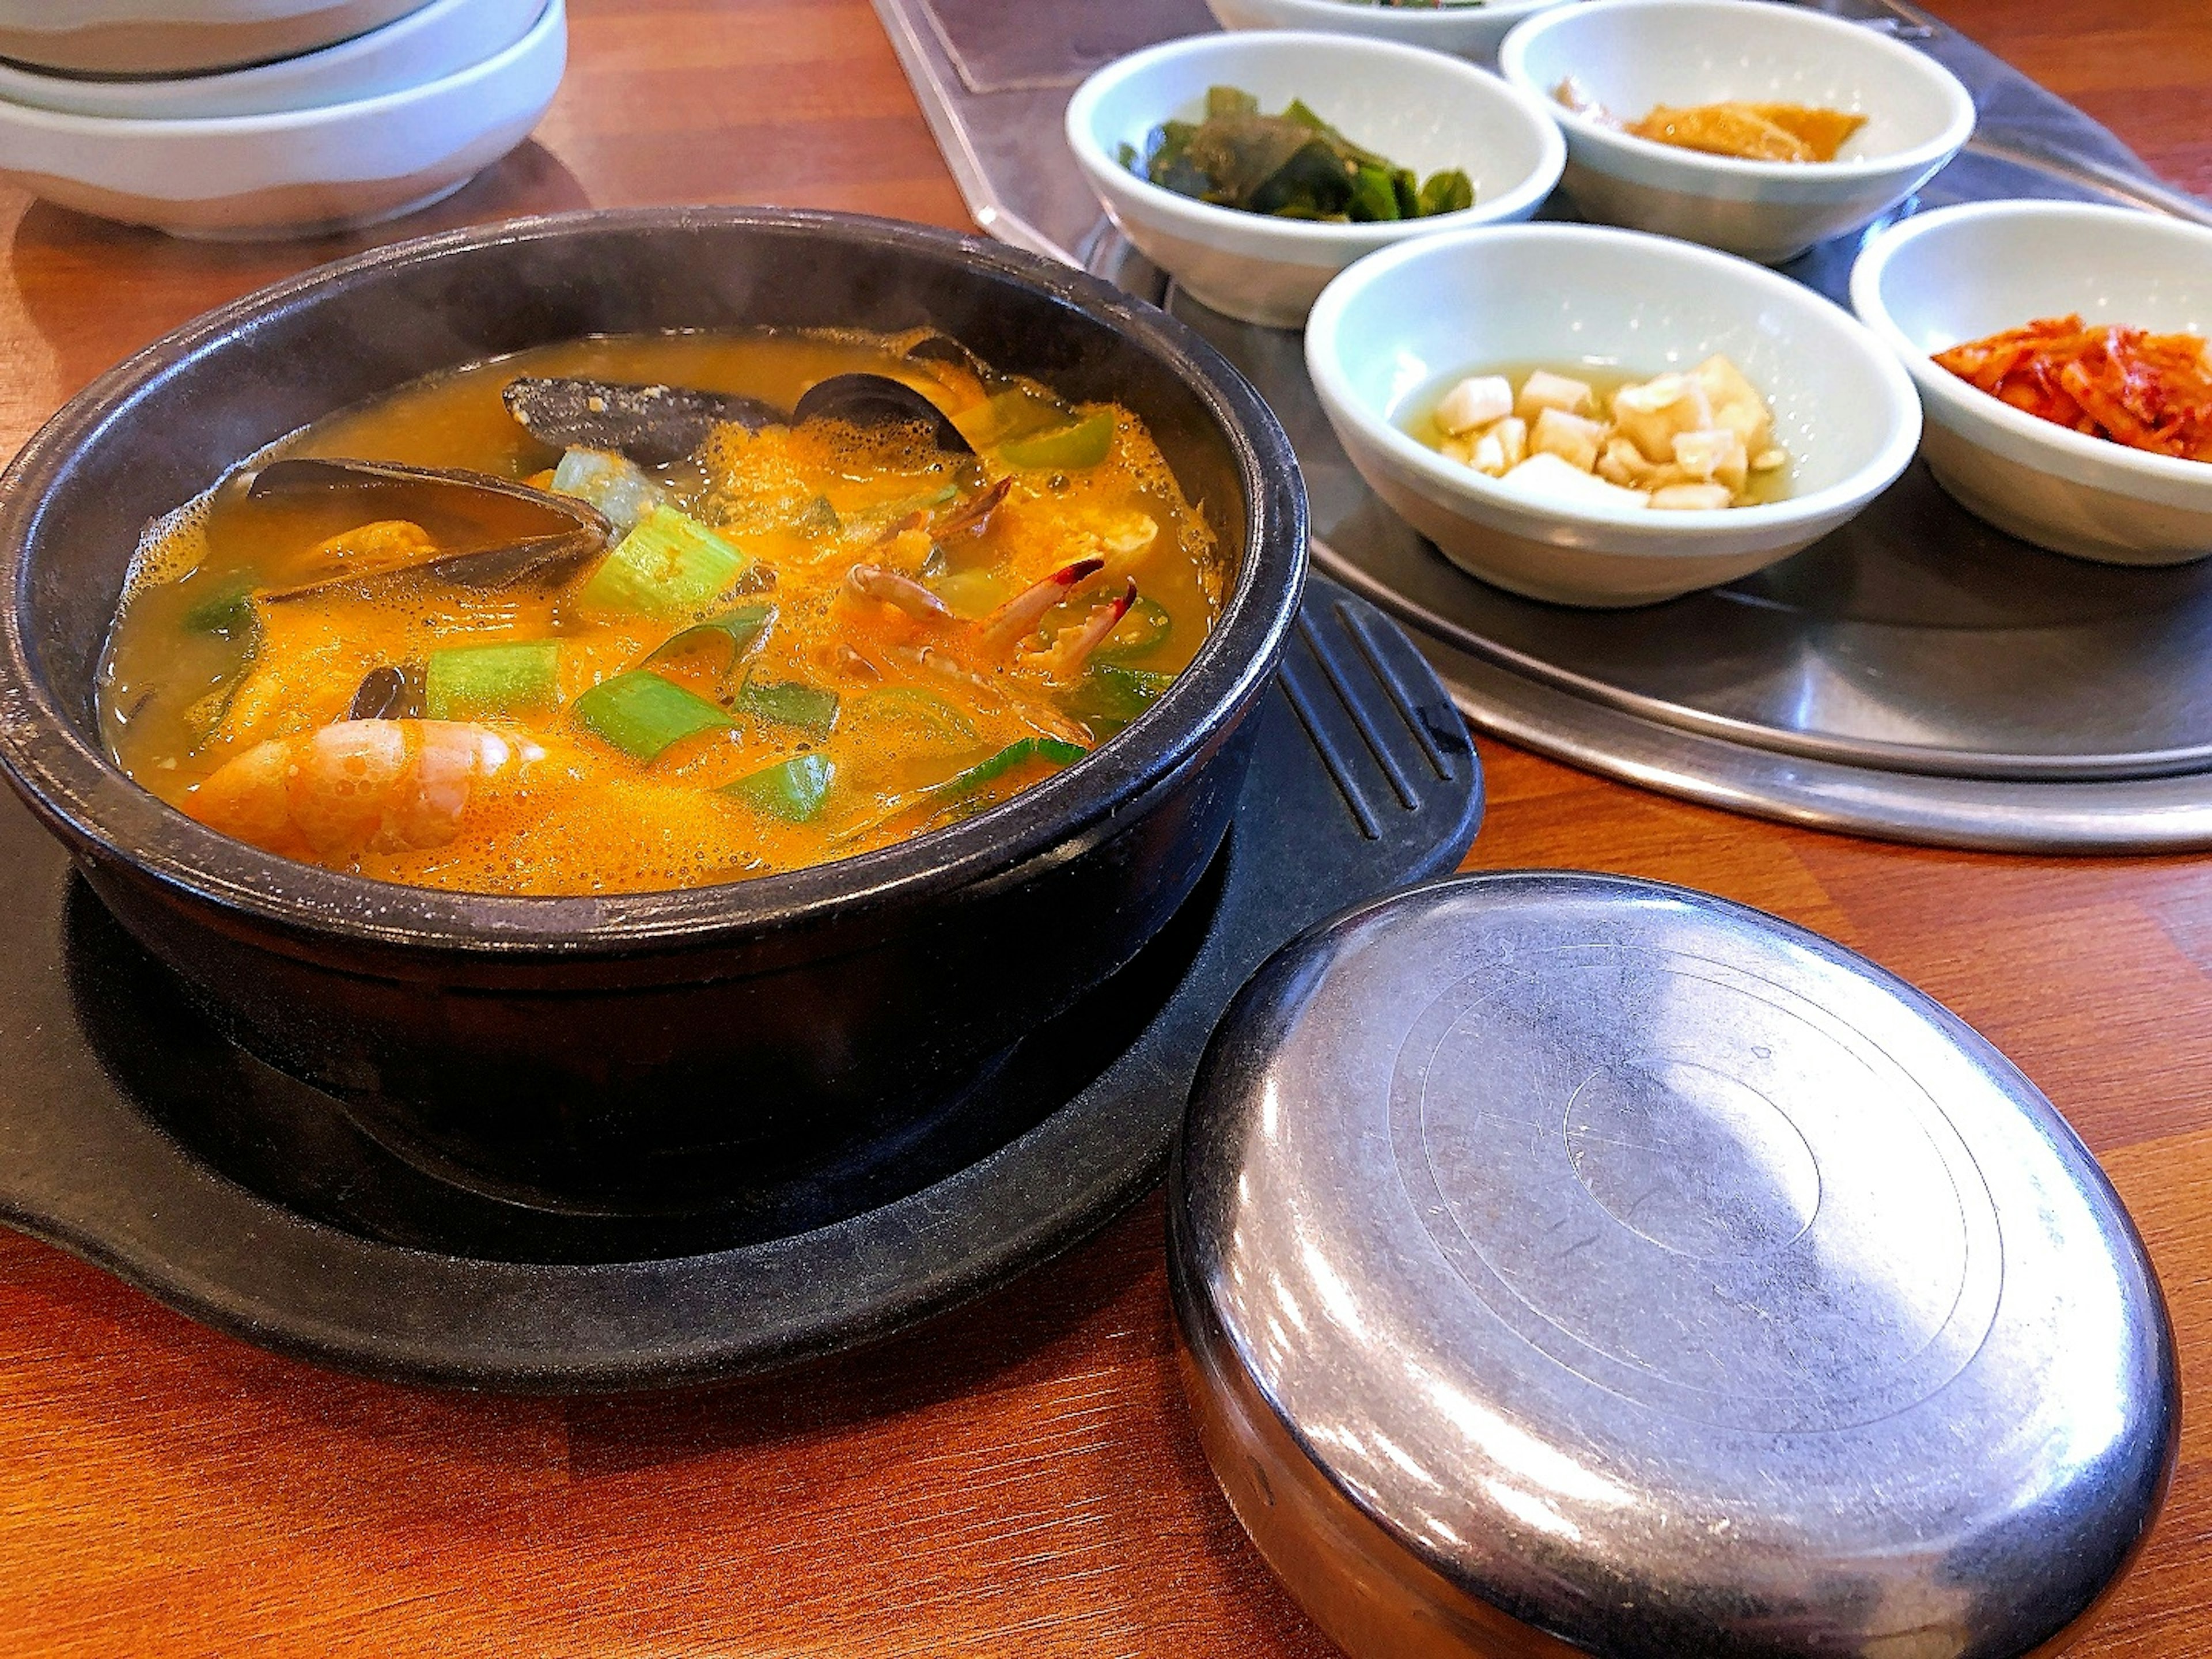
(1021, 1477)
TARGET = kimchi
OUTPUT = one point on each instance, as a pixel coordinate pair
(2150, 391)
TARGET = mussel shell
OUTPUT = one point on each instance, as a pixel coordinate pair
(653, 425)
(513, 534)
(877, 400)
(388, 693)
(944, 348)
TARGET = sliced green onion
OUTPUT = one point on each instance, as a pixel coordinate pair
(467, 682)
(1082, 445)
(728, 637)
(1016, 753)
(642, 714)
(228, 610)
(792, 789)
(615, 484)
(1142, 632)
(668, 565)
(1111, 693)
(790, 702)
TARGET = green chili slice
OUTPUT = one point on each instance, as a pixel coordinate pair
(1016, 753)
(468, 681)
(1111, 695)
(792, 789)
(1071, 447)
(666, 565)
(642, 714)
(1140, 633)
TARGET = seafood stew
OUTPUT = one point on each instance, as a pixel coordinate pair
(646, 612)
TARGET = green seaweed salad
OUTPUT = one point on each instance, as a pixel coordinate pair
(1292, 166)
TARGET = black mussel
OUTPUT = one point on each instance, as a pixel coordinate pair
(481, 532)
(653, 425)
(877, 400)
(389, 694)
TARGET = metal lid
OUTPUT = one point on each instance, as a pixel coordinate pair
(1570, 1254)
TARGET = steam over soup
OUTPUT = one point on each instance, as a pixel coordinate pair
(642, 613)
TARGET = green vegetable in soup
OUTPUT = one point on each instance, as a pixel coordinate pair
(228, 610)
(724, 642)
(793, 790)
(1071, 448)
(791, 702)
(666, 565)
(1019, 752)
(470, 682)
(642, 714)
(1292, 166)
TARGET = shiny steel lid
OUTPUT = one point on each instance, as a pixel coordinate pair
(1568, 1263)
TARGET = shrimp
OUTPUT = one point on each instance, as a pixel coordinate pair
(358, 787)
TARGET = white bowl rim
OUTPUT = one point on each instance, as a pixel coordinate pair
(1198, 215)
(1513, 51)
(1434, 17)
(65, 123)
(1891, 458)
(426, 14)
(1933, 380)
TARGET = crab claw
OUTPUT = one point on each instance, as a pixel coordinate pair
(974, 513)
(872, 581)
(1063, 660)
(1026, 609)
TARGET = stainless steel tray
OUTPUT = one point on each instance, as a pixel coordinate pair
(1918, 675)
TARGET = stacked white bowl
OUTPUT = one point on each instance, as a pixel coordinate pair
(238, 119)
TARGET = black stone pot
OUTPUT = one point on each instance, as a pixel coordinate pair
(619, 1048)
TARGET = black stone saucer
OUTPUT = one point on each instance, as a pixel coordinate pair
(133, 1135)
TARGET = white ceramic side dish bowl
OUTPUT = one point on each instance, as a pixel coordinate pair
(1631, 55)
(1964, 273)
(1422, 109)
(298, 172)
(1395, 330)
(180, 37)
(437, 39)
(1473, 31)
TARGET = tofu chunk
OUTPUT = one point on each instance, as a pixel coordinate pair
(1573, 437)
(1651, 415)
(1544, 390)
(1475, 402)
(1547, 478)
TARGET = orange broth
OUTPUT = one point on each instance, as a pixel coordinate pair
(203, 668)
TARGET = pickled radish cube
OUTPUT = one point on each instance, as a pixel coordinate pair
(1476, 402)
